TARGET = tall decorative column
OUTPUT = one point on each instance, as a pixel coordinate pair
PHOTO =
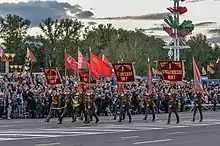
(176, 30)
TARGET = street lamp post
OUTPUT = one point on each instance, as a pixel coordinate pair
(7, 58)
(16, 68)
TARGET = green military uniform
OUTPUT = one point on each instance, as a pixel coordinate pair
(55, 105)
(198, 105)
(91, 107)
(82, 106)
(117, 107)
(214, 102)
(149, 105)
(173, 107)
(125, 107)
(75, 101)
(69, 107)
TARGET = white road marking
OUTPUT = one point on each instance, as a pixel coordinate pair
(152, 141)
(48, 132)
(47, 144)
(129, 137)
(6, 126)
(90, 129)
(5, 139)
(173, 133)
(28, 135)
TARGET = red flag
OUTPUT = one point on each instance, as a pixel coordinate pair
(82, 60)
(211, 64)
(105, 59)
(218, 60)
(149, 80)
(197, 78)
(210, 69)
(70, 63)
(30, 54)
(99, 66)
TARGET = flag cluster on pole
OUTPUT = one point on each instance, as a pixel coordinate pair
(95, 65)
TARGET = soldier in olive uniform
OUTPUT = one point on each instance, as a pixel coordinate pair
(117, 107)
(55, 95)
(69, 108)
(149, 105)
(75, 100)
(173, 107)
(214, 101)
(125, 107)
(82, 106)
(91, 107)
(198, 105)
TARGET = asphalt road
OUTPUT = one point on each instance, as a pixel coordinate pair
(35, 132)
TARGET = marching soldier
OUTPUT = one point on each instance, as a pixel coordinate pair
(91, 107)
(82, 105)
(117, 107)
(214, 101)
(173, 107)
(149, 105)
(125, 107)
(54, 95)
(198, 105)
(69, 107)
(75, 106)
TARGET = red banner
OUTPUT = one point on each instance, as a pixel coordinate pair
(172, 70)
(124, 72)
(84, 77)
(52, 76)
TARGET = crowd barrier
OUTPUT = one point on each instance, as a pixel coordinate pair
(204, 106)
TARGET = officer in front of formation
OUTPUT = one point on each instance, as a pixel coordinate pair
(75, 100)
(173, 107)
(55, 96)
(125, 107)
(149, 105)
(198, 105)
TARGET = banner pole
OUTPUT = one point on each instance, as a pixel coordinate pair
(90, 66)
(65, 65)
(78, 78)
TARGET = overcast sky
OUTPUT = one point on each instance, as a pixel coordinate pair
(139, 7)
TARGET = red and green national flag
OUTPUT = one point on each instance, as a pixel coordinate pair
(210, 69)
(30, 55)
(83, 64)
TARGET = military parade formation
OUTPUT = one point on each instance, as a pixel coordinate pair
(82, 105)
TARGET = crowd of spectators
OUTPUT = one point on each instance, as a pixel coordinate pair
(26, 96)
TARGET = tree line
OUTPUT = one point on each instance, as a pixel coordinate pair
(129, 45)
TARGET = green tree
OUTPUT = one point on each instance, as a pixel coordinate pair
(202, 51)
(52, 32)
(13, 31)
(71, 31)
